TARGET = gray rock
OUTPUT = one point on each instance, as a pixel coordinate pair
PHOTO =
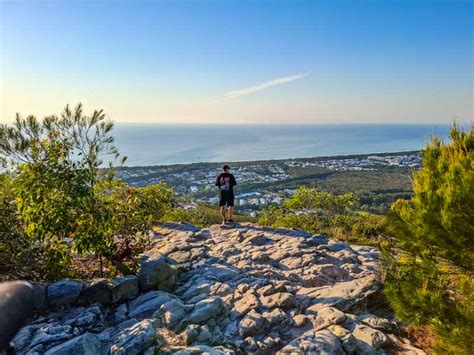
(171, 313)
(377, 322)
(343, 294)
(252, 323)
(205, 310)
(86, 344)
(121, 313)
(280, 299)
(135, 339)
(372, 337)
(191, 333)
(16, 305)
(321, 342)
(64, 292)
(222, 273)
(88, 318)
(124, 288)
(155, 272)
(331, 314)
(145, 305)
(96, 291)
(40, 299)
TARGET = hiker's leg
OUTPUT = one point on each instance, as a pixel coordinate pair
(231, 211)
(223, 212)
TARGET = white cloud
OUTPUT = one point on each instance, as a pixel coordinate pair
(234, 94)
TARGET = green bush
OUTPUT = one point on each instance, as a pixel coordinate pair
(66, 203)
(429, 267)
(324, 213)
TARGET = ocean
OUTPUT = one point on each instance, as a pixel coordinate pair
(161, 144)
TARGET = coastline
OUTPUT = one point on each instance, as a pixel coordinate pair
(268, 161)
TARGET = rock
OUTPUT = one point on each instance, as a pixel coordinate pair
(277, 317)
(86, 344)
(372, 337)
(155, 272)
(135, 339)
(205, 310)
(191, 333)
(203, 350)
(16, 305)
(121, 312)
(321, 342)
(251, 324)
(96, 291)
(40, 299)
(145, 305)
(204, 334)
(342, 294)
(124, 288)
(255, 289)
(331, 314)
(246, 303)
(280, 299)
(299, 320)
(222, 273)
(64, 292)
(266, 290)
(376, 322)
(171, 313)
(87, 319)
(47, 339)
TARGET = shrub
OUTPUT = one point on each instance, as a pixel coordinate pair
(429, 276)
(322, 212)
(66, 203)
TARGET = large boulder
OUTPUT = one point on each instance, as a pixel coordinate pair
(64, 292)
(86, 344)
(155, 272)
(16, 305)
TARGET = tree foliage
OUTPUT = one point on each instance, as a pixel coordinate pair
(430, 280)
(322, 212)
(66, 202)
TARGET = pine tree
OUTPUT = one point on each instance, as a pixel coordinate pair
(429, 268)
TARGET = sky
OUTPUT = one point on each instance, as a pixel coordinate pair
(233, 62)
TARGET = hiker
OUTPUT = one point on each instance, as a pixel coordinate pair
(226, 181)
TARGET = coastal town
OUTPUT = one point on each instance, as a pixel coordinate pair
(260, 183)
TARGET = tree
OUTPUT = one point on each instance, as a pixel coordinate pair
(429, 268)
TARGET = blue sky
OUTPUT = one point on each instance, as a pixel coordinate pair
(240, 61)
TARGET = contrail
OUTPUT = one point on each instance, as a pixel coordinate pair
(234, 94)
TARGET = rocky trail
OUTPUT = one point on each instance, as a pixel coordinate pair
(248, 289)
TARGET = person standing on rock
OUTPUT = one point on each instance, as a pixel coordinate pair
(225, 181)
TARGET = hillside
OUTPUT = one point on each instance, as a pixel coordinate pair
(248, 289)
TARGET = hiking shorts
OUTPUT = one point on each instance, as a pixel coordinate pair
(226, 200)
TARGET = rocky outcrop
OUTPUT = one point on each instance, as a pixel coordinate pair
(247, 289)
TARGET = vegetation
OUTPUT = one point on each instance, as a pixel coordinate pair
(322, 212)
(57, 202)
(430, 264)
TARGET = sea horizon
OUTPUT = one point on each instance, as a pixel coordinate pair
(154, 144)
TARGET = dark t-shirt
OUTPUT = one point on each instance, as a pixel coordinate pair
(226, 182)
